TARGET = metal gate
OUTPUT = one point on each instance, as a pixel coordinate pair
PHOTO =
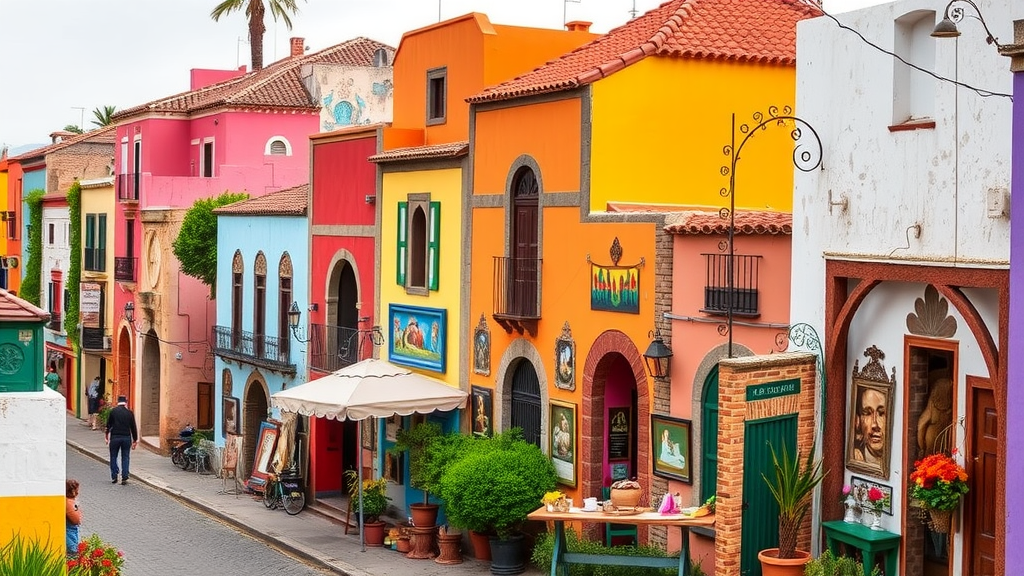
(526, 401)
(760, 511)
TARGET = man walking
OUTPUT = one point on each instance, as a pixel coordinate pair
(122, 436)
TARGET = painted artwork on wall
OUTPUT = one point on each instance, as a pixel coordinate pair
(563, 441)
(483, 411)
(418, 336)
(869, 440)
(671, 446)
(615, 288)
(482, 348)
(565, 359)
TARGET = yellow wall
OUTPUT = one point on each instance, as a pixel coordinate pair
(659, 127)
(101, 201)
(34, 517)
(3, 225)
(444, 186)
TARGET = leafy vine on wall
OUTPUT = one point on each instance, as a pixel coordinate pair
(74, 281)
(31, 285)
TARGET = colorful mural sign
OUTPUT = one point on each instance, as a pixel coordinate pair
(418, 336)
(615, 288)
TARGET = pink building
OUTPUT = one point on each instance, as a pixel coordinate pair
(244, 132)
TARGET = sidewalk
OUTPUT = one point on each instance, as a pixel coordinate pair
(308, 535)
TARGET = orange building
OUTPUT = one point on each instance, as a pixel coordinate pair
(576, 168)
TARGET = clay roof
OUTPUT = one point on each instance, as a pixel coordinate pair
(287, 202)
(759, 31)
(106, 135)
(452, 150)
(746, 222)
(278, 85)
(14, 309)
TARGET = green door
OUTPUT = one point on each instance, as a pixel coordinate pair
(760, 512)
(709, 436)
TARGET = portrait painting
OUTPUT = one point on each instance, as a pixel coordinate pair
(565, 360)
(482, 348)
(483, 412)
(563, 441)
(869, 441)
(229, 415)
(671, 445)
(418, 336)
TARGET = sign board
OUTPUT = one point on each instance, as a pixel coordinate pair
(768, 390)
(89, 307)
(618, 433)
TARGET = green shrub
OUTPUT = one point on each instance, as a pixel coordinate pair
(31, 284)
(417, 441)
(830, 565)
(20, 557)
(495, 483)
(196, 244)
(544, 550)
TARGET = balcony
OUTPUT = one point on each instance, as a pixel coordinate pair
(128, 187)
(125, 268)
(260, 350)
(517, 293)
(743, 300)
(332, 348)
(95, 259)
(95, 339)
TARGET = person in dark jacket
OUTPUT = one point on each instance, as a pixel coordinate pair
(122, 436)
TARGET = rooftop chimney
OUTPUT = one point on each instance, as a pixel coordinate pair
(298, 47)
(578, 26)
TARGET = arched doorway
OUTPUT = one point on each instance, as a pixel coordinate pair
(149, 409)
(342, 313)
(123, 386)
(526, 401)
(615, 395)
(254, 412)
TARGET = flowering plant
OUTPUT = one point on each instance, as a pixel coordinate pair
(95, 558)
(938, 481)
(552, 497)
(876, 498)
(847, 494)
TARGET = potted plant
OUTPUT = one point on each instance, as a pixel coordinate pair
(374, 505)
(496, 483)
(417, 441)
(829, 564)
(791, 484)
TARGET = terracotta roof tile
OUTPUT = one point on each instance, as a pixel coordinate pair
(747, 222)
(105, 135)
(762, 31)
(452, 150)
(278, 85)
(287, 202)
(14, 309)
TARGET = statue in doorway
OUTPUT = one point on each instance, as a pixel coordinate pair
(933, 425)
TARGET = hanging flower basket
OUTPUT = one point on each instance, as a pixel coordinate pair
(940, 520)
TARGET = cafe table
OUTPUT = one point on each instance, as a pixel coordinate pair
(562, 558)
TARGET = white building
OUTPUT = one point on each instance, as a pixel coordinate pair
(901, 248)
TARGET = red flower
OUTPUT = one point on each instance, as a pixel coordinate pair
(875, 495)
(97, 553)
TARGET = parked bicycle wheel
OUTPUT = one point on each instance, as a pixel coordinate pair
(178, 458)
(294, 502)
(271, 499)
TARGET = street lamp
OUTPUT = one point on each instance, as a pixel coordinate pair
(946, 28)
(293, 321)
(129, 312)
(658, 357)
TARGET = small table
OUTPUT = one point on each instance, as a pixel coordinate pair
(868, 541)
(562, 558)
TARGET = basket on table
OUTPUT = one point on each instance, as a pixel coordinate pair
(626, 493)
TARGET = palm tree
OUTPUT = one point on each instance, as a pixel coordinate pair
(256, 11)
(103, 115)
(74, 129)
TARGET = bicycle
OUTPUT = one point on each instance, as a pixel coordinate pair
(284, 490)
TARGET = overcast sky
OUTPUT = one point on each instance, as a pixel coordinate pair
(65, 58)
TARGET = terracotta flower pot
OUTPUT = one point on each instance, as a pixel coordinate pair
(374, 533)
(772, 565)
(423, 515)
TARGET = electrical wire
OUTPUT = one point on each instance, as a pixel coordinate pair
(979, 91)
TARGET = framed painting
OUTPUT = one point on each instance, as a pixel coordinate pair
(391, 426)
(869, 440)
(482, 348)
(565, 360)
(672, 446)
(229, 415)
(483, 412)
(418, 336)
(615, 289)
(860, 492)
(563, 441)
(264, 451)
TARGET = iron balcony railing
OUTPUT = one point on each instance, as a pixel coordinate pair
(95, 259)
(743, 295)
(517, 288)
(124, 268)
(259, 349)
(128, 187)
(332, 348)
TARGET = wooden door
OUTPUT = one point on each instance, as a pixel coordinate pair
(982, 462)
(524, 267)
(757, 533)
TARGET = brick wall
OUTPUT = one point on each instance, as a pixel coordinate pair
(663, 243)
(734, 376)
(83, 161)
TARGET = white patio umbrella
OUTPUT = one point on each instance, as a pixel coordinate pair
(369, 388)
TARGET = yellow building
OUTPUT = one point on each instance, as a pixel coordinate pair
(96, 303)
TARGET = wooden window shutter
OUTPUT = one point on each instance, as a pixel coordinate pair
(434, 245)
(403, 241)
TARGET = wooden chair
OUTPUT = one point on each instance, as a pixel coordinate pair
(612, 531)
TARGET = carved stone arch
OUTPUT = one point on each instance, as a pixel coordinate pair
(331, 279)
(237, 263)
(707, 364)
(523, 161)
(260, 266)
(284, 267)
(520, 350)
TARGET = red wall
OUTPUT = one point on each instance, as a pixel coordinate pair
(342, 179)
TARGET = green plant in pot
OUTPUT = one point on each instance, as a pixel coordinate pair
(492, 488)
(374, 505)
(791, 483)
(418, 442)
